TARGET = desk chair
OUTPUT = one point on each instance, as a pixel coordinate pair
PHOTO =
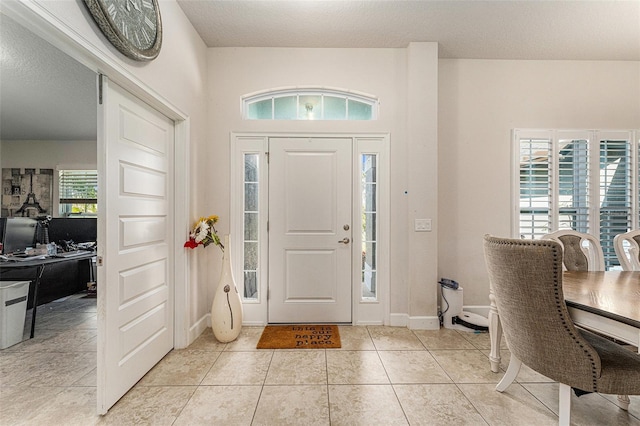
(630, 262)
(526, 277)
(577, 257)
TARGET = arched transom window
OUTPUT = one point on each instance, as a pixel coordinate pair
(309, 104)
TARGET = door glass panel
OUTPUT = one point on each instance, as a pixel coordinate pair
(251, 225)
(250, 270)
(359, 110)
(310, 108)
(251, 196)
(285, 108)
(335, 108)
(261, 110)
(369, 225)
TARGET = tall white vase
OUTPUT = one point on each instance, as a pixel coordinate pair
(226, 310)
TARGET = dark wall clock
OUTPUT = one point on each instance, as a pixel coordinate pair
(134, 27)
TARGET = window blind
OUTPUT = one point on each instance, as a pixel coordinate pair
(78, 186)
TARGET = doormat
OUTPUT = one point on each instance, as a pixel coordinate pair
(303, 336)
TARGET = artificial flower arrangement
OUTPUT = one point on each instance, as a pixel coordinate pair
(204, 233)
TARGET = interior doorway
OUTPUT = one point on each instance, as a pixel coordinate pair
(48, 129)
(36, 20)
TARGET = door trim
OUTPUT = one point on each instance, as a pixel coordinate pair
(363, 312)
(41, 22)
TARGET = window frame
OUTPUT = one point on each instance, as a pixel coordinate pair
(61, 201)
(594, 138)
(273, 94)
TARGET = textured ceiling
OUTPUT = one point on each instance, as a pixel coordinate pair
(44, 94)
(574, 30)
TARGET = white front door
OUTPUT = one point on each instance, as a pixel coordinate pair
(135, 289)
(310, 230)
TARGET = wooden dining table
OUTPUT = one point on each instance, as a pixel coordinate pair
(607, 302)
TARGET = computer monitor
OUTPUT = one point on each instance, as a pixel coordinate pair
(19, 233)
(76, 229)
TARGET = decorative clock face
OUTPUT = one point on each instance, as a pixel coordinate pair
(132, 26)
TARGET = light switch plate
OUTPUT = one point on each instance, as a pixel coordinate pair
(422, 225)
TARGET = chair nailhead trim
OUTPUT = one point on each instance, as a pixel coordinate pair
(559, 301)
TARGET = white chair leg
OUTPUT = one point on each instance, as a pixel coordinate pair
(510, 375)
(623, 402)
(495, 332)
(564, 411)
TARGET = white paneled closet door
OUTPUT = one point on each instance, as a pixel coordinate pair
(135, 235)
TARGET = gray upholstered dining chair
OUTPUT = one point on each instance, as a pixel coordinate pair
(579, 256)
(526, 277)
(629, 258)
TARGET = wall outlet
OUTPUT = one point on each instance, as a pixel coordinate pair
(422, 225)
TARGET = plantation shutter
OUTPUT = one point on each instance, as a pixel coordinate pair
(581, 180)
(615, 190)
(574, 199)
(534, 167)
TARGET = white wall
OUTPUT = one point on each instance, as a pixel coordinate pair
(49, 154)
(389, 74)
(179, 75)
(56, 155)
(481, 101)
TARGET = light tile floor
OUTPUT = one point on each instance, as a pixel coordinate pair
(380, 376)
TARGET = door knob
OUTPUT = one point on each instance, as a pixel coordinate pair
(345, 240)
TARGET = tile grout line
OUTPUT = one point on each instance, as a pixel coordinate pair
(264, 381)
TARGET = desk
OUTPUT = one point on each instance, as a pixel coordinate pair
(39, 263)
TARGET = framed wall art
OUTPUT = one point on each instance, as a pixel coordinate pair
(27, 192)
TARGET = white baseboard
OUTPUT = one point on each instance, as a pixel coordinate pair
(198, 328)
(399, 320)
(414, 323)
(253, 324)
(365, 323)
(424, 323)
